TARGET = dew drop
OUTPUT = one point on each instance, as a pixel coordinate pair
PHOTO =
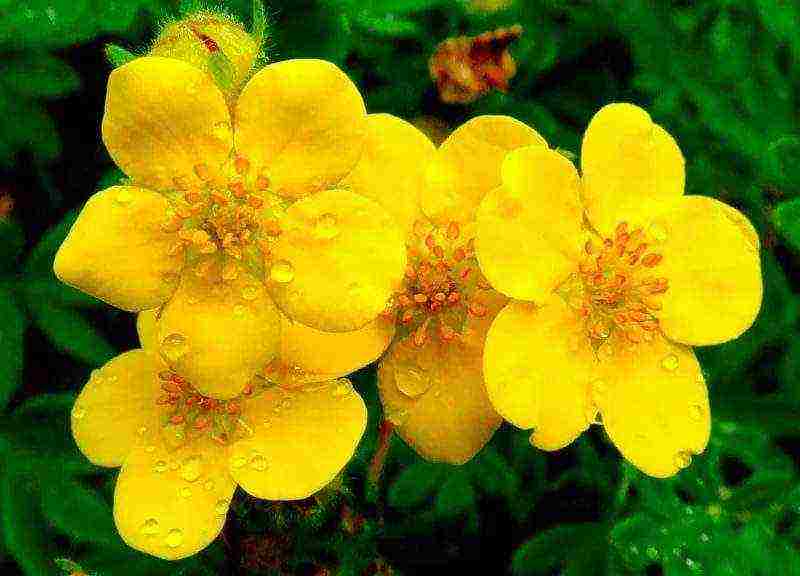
(239, 311)
(209, 485)
(658, 232)
(695, 412)
(124, 197)
(413, 382)
(150, 527)
(683, 459)
(191, 468)
(174, 538)
(652, 553)
(343, 388)
(396, 416)
(221, 507)
(160, 466)
(239, 461)
(327, 227)
(142, 430)
(670, 362)
(250, 292)
(78, 413)
(258, 463)
(150, 449)
(174, 347)
(282, 272)
(186, 492)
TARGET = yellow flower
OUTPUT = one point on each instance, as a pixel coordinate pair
(430, 380)
(626, 274)
(182, 453)
(222, 228)
(241, 248)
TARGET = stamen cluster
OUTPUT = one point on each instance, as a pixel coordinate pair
(615, 289)
(229, 217)
(441, 285)
(195, 415)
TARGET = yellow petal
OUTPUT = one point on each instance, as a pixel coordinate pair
(538, 368)
(218, 335)
(147, 329)
(300, 440)
(116, 407)
(339, 259)
(467, 166)
(303, 122)
(392, 167)
(654, 404)
(173, 503)
(537, 212)
(632, 168)
(118, 252)
(711, 261)
(316, 356)
(435, 397)
(164, 117)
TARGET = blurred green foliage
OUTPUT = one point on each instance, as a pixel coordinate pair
(723, 77)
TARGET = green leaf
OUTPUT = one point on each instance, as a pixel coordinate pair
(56, 293)
(69, 332)
(37, 75)
(456, 497)
(387, 25)
(259, 22)
(579, 548)
(119, 56)
(12, 346)
(12, 240)
(40, 260)
(78, 512)
(222, 70)
(415, 484)
(786, 217)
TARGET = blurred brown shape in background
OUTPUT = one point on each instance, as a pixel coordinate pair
(467, 67)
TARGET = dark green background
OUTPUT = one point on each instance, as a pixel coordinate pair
(721, 76)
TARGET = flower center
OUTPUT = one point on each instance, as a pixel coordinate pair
(616, 290)
(188, 415)
(234, 217)
(442, 285)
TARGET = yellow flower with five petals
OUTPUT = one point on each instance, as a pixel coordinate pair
(613, 274)
(238, 244)
(430, 379)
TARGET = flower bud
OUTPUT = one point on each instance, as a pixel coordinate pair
(212, 42)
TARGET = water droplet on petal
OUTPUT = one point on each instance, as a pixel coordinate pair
(396, 416)
(124, 197)
(78, 412)
(174, 538)
(258, 463)
(658, 232)
(209, 485)
(160, 466)
(413, 382)
(670, 362)
(186, 492)
(343, 388)
(239, 461)
(221, 507)
(174, 347)
(150, 449)
(327, 227)
(191, 468)
(282, 272)
(150, 527)
(695, 412)
(250, 292)
(683, 459)
(142, 430)
(239, 311)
